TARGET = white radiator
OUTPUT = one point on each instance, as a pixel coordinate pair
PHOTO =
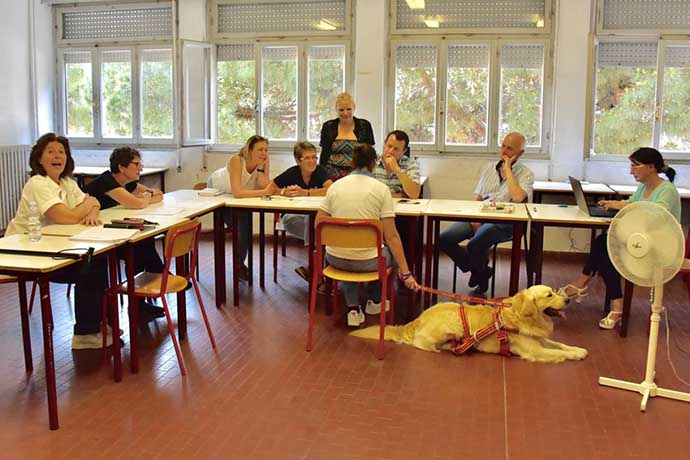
(14, 164)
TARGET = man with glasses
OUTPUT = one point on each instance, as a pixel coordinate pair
(307, 178)
(121, 186)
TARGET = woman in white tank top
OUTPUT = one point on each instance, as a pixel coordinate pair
(248, 172)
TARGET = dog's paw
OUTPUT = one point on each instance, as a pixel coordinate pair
(578, 353)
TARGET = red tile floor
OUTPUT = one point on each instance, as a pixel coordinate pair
(261, 396)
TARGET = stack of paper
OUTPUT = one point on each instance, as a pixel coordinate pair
(105, 234)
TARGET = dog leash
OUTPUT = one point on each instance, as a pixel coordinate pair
(465, 298)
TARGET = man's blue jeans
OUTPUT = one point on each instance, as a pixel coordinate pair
(476, 256)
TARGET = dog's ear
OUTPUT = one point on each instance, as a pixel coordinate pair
(523, 302)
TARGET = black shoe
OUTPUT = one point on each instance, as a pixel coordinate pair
(482, 282)
(243, 273)
(475, 277)
(151, 310)
(303, 273)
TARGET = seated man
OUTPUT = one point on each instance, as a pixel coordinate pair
(307, 178)
(507, 180)
(396, 168)
(121, 186)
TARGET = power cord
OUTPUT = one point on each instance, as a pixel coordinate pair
(668, 349)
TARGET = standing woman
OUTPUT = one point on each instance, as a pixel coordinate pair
(645, 166)
(245, 176)
(339, 137)
(60, 201)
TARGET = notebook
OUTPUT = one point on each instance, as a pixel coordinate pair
(592, 210)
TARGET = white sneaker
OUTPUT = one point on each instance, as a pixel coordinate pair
(355, 318)
(90, 341)
(374, 308)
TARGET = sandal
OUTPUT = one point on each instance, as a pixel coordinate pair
(577, 295)
(610, 320)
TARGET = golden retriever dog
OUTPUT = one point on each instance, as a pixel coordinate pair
(529, 315)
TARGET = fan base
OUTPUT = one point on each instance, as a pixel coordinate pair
(646, 389)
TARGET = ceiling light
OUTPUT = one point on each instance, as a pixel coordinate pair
(432, 23)
(540, 22)
(325, 25)
(415, 4)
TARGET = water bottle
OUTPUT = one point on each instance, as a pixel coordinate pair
(34, 222)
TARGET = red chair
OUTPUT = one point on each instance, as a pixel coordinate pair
(181, 240)
(351, 233)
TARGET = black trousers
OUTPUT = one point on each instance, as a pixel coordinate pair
(598, 262)
(88, 292)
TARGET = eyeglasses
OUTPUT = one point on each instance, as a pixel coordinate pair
(635, 165)
(137, 164)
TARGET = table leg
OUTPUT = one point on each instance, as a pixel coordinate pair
(537, 248)
(235, 262)
(262, 244)
(113, 262)
(311, 249)
(219, 255)
(250, 252)
(24, 314)
(627, 304)
(47, 319)
(516, 255)
(132, 309)
(434, 282)
(427, 257)
(182, 269)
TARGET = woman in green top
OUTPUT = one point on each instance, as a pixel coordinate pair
(645, 165)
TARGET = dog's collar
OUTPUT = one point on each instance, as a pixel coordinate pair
(469, 340)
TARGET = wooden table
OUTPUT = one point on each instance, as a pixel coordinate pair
(26, 267)
(469, 211)
(542, 188)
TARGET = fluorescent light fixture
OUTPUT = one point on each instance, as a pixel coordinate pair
(325, 25)
(540, 22)
(431, 23)
(415, 4)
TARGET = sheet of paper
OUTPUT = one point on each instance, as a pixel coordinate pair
(104, 234)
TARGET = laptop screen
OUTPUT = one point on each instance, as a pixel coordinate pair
(579, 194)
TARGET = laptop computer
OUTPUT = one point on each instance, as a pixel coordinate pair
(593, 210)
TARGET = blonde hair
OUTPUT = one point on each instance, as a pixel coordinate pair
(245, 151)
(344, 98)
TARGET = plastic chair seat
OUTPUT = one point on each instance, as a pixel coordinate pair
(149, 284)
(353, 277)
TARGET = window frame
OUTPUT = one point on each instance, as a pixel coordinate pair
(302, 75)
(136, 54)
(662, 42)
(495, 42)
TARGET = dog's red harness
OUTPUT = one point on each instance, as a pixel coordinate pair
(469, 339)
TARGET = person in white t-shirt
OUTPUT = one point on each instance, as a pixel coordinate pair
(360, 196)
(60, 201)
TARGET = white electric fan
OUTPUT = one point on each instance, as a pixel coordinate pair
(645, 244)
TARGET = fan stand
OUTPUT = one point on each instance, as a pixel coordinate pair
(648, 388)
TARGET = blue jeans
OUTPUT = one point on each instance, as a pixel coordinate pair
(350, 290)
(476, 256)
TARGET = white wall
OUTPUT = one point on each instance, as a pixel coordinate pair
(450, 176)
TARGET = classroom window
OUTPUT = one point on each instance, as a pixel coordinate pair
(488, 89)
(156, 94)
(641, 78)
(79, 94)
(283, 92)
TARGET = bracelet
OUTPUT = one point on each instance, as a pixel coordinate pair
(404, 276)
(260, 170)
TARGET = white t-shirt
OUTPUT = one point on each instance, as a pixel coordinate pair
(45, 193)
(357, 196)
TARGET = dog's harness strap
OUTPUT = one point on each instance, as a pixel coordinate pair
(464, 298)
(469, 339)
